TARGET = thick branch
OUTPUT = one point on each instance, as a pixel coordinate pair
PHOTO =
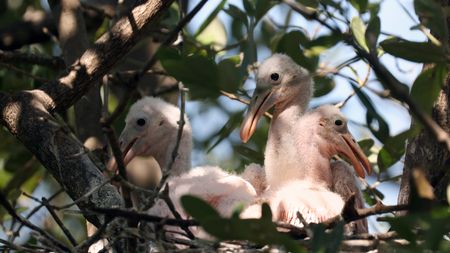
(28, 114)
(73, 40)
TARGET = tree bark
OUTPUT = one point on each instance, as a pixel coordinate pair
(74, 41)
(425, 153)
(28, 114)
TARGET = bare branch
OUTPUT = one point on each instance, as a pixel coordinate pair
(16, 57)
(4, 202)
(59, 222)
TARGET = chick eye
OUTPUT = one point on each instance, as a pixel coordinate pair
(338, 122)
(140, 122)
(274, 76)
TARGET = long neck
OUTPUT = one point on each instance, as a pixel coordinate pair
(295, 155)
(182, 162)
(281, 155)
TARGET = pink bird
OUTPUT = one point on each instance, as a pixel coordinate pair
(151, 130)
(307, 187)
(284, 85)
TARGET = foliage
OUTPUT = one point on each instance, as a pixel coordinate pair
(219, 53)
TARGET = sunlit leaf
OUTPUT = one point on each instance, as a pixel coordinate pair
(359, 29)
(214, 34)
(427, 86)
(211, 17)
(422, 52)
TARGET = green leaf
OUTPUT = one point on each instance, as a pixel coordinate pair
(427, 86)
(431, 14)
(323, 241)
(249, 7)
(366, 145)
(198, 73)
(233, 122)
(214, 34)
(211, 17)
(230, 74)
(309, 3)
(394, 148)
(290, 45)
(372, 116)
(360, 5)
(422, 52)
(249, 153)
(237, 14)
(260, 231)
(372, 33)
(359, 29)
(198, 208)
(323, 85)
(326, 41)
(262, 7)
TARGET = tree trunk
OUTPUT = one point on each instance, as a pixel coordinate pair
(424, 152)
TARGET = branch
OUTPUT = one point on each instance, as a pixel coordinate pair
(4, 202)
(134, 215)
(16, 57)
(59, 222)
(27, 114)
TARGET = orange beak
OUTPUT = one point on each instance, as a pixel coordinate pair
(349, 148)
(260, 104)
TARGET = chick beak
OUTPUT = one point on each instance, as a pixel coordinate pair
(128, 154)
(348, 147)
(259, 104)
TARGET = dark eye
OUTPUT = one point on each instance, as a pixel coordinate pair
(274, 76)
(140, 122)
(338, 122)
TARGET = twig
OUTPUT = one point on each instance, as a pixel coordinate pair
(140, 216)
(180, 123)
(10, 245)
(169, 203)
(59, 222)
(172, 36)
(119, 161)
(84, 246)
(5, 203)
(23, 72)
(86, 195)
(379, 208)
(32, 212)
(242, 100)
(16, 57)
